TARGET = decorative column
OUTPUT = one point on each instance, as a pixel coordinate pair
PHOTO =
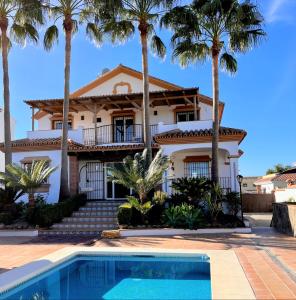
(33, 120)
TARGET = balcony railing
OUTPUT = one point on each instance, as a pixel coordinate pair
(109, 134)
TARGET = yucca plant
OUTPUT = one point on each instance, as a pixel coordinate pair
(121, 23)
(18, 21)
(139, 174)
(72, 13)
(214, 29)
(26, 180)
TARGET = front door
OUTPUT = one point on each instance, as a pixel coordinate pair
(94, 181)
(114, 190)
(123, 129)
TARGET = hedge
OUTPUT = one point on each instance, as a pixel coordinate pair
(47, 214)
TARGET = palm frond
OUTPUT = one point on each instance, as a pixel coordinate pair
(157, 46)
(94, 33)
(51, 37)
(187, 51)
(228, 63)
(138, 174)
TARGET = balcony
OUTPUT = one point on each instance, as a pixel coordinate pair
(110, 134)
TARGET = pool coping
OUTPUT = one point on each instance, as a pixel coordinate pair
(228, 280)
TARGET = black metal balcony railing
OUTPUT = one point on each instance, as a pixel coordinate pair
(108, 134)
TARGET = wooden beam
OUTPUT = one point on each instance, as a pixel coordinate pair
(33, 121)
(195, 109)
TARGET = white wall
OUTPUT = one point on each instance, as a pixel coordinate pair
(165, 114)
(285, 195)
(54, 179)
(106, 88)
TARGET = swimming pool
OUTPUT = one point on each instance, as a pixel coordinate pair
(117, 277)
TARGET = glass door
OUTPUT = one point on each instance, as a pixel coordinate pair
(123, 129)
(114, 190)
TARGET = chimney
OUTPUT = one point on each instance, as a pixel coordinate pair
(104, 71)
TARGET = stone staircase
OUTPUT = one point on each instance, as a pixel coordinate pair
(90, 219)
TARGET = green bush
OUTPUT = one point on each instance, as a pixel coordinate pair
(44, 215)
(194, 189)
(183, 216)
(172, 216)
(6, 218)
(125, 213)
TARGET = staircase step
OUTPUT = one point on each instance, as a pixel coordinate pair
(93, 225)
(86, 219)
(52, 232)
(95, 208)
(103, 203)
(98, 213)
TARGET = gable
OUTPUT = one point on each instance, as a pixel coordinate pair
(122, 80)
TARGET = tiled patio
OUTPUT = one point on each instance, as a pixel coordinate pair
(267, 258)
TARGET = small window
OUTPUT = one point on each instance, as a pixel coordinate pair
(155, 113)
(99, 120)
(82, 118)
(197, 169)
(59, 124)
(185, 116)
(245, 185)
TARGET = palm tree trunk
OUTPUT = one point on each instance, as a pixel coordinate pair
(6, 94)
(31, 199)
(64, 187)
(143, 28)
(215, 138)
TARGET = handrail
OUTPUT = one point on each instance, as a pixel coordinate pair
(112, 133)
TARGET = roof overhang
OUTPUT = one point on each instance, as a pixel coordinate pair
(118, 101)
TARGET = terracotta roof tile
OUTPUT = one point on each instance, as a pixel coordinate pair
(285, 177)
(177, 133)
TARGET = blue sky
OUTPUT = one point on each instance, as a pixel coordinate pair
(260, 98)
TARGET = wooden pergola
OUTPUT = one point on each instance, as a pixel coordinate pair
(189, 96)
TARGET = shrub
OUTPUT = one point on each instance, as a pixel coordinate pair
(44, 215)
(6, 218)
(172, 216)
(194, 189)
(125, 214)
(232, 200)
(191, 217)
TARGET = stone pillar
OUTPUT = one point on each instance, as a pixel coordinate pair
(73, 175)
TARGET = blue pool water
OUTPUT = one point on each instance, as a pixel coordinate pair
(120, 278)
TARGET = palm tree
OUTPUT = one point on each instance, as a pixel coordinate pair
(18, 21)
(139, 173)
(26, 180)
(71, 12)
(215, 29)
(121, 22)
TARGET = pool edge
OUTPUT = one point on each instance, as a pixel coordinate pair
(228, 280)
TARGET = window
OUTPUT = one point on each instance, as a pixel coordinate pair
(185, 116)
(245, 185)
(99, 120)
(82, 118)
(197, 169)
(58, 124)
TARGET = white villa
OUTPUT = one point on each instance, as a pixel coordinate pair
(105, 125)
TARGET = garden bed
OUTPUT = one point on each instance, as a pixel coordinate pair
(176, 231)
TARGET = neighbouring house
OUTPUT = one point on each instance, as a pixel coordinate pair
(12, 129)
(248, 186)
(270, 183)
(105, 125)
